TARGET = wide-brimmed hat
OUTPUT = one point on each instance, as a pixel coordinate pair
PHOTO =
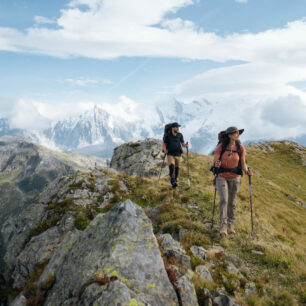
(175, 124)
(233, 129)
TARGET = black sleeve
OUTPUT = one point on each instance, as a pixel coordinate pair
(165, 138)
(182, 138)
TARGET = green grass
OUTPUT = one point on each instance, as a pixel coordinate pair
(280, 225)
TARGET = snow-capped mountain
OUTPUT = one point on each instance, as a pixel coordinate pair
(97, 131)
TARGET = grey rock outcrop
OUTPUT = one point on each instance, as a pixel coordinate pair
(15, 231)
(204, 273)
(198, 252)
(38, 221)
(172, 248)
(141, 158)
(26, 168)
(223, 300)
(188, 296)
(119, 244)
(39, 250)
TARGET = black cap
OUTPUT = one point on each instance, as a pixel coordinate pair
(175, 124)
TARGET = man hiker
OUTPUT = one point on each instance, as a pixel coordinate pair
(229, 162)
(172, 147)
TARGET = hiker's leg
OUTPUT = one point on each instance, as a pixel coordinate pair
(233, 186)
(171, 163)
(177, 170)
(177, 166)
(222, 188)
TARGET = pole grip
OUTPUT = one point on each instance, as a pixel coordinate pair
(249, 169)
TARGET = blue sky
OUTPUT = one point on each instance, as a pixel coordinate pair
(58, 52)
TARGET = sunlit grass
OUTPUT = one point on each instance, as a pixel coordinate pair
(279, 223)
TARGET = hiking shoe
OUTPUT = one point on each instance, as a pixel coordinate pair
(231, 230)
(223, 231)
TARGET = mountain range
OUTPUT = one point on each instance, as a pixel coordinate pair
(98, 131)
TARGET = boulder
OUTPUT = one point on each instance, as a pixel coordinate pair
(141, 158)
(231, 269)
(118, 246)
(188, 296)
(39, 250)
(15, 231)
(198, 252)
(172, 248)
(221, 299)
(204, 273)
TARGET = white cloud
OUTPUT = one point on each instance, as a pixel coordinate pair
(25, 115)
(86, 81)
(61, 110)
(255, 96)
(113, 28)
(289, 111)
(81, 82)
(43, 20)
(127, 110)
(241, 1)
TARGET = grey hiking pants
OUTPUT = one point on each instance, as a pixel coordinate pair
(227, 188)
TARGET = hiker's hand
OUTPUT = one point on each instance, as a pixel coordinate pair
(249, 173)
(186, 145)
(165, 151)
(218, 163)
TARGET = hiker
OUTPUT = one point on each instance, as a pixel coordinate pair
(229, 160)
(172, 146)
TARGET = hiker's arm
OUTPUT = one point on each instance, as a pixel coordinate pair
(243, 163)
(216, 161)
(184, 144)
(165, 148)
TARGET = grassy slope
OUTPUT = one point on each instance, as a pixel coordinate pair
(279, 223)
(280, 273)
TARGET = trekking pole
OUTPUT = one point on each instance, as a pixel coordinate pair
(213, 212)
(249, 169)
(162, 167)
(188, 181)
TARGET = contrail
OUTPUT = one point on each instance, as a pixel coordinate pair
(128, 75)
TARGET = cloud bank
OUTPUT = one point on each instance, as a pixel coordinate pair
(114, 28)
(258, 94)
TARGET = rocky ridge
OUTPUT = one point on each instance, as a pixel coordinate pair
(141, 158)
(81, 243)
(26, 168)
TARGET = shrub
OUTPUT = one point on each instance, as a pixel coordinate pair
(81, 222)
(176, 225)
(195, 238)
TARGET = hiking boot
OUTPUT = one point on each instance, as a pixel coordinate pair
(231, 230)
(173, 182)
(171, 171)
(223, 231)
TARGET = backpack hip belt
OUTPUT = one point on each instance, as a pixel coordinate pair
(237, 170)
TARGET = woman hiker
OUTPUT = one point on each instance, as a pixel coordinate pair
(229, 158)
